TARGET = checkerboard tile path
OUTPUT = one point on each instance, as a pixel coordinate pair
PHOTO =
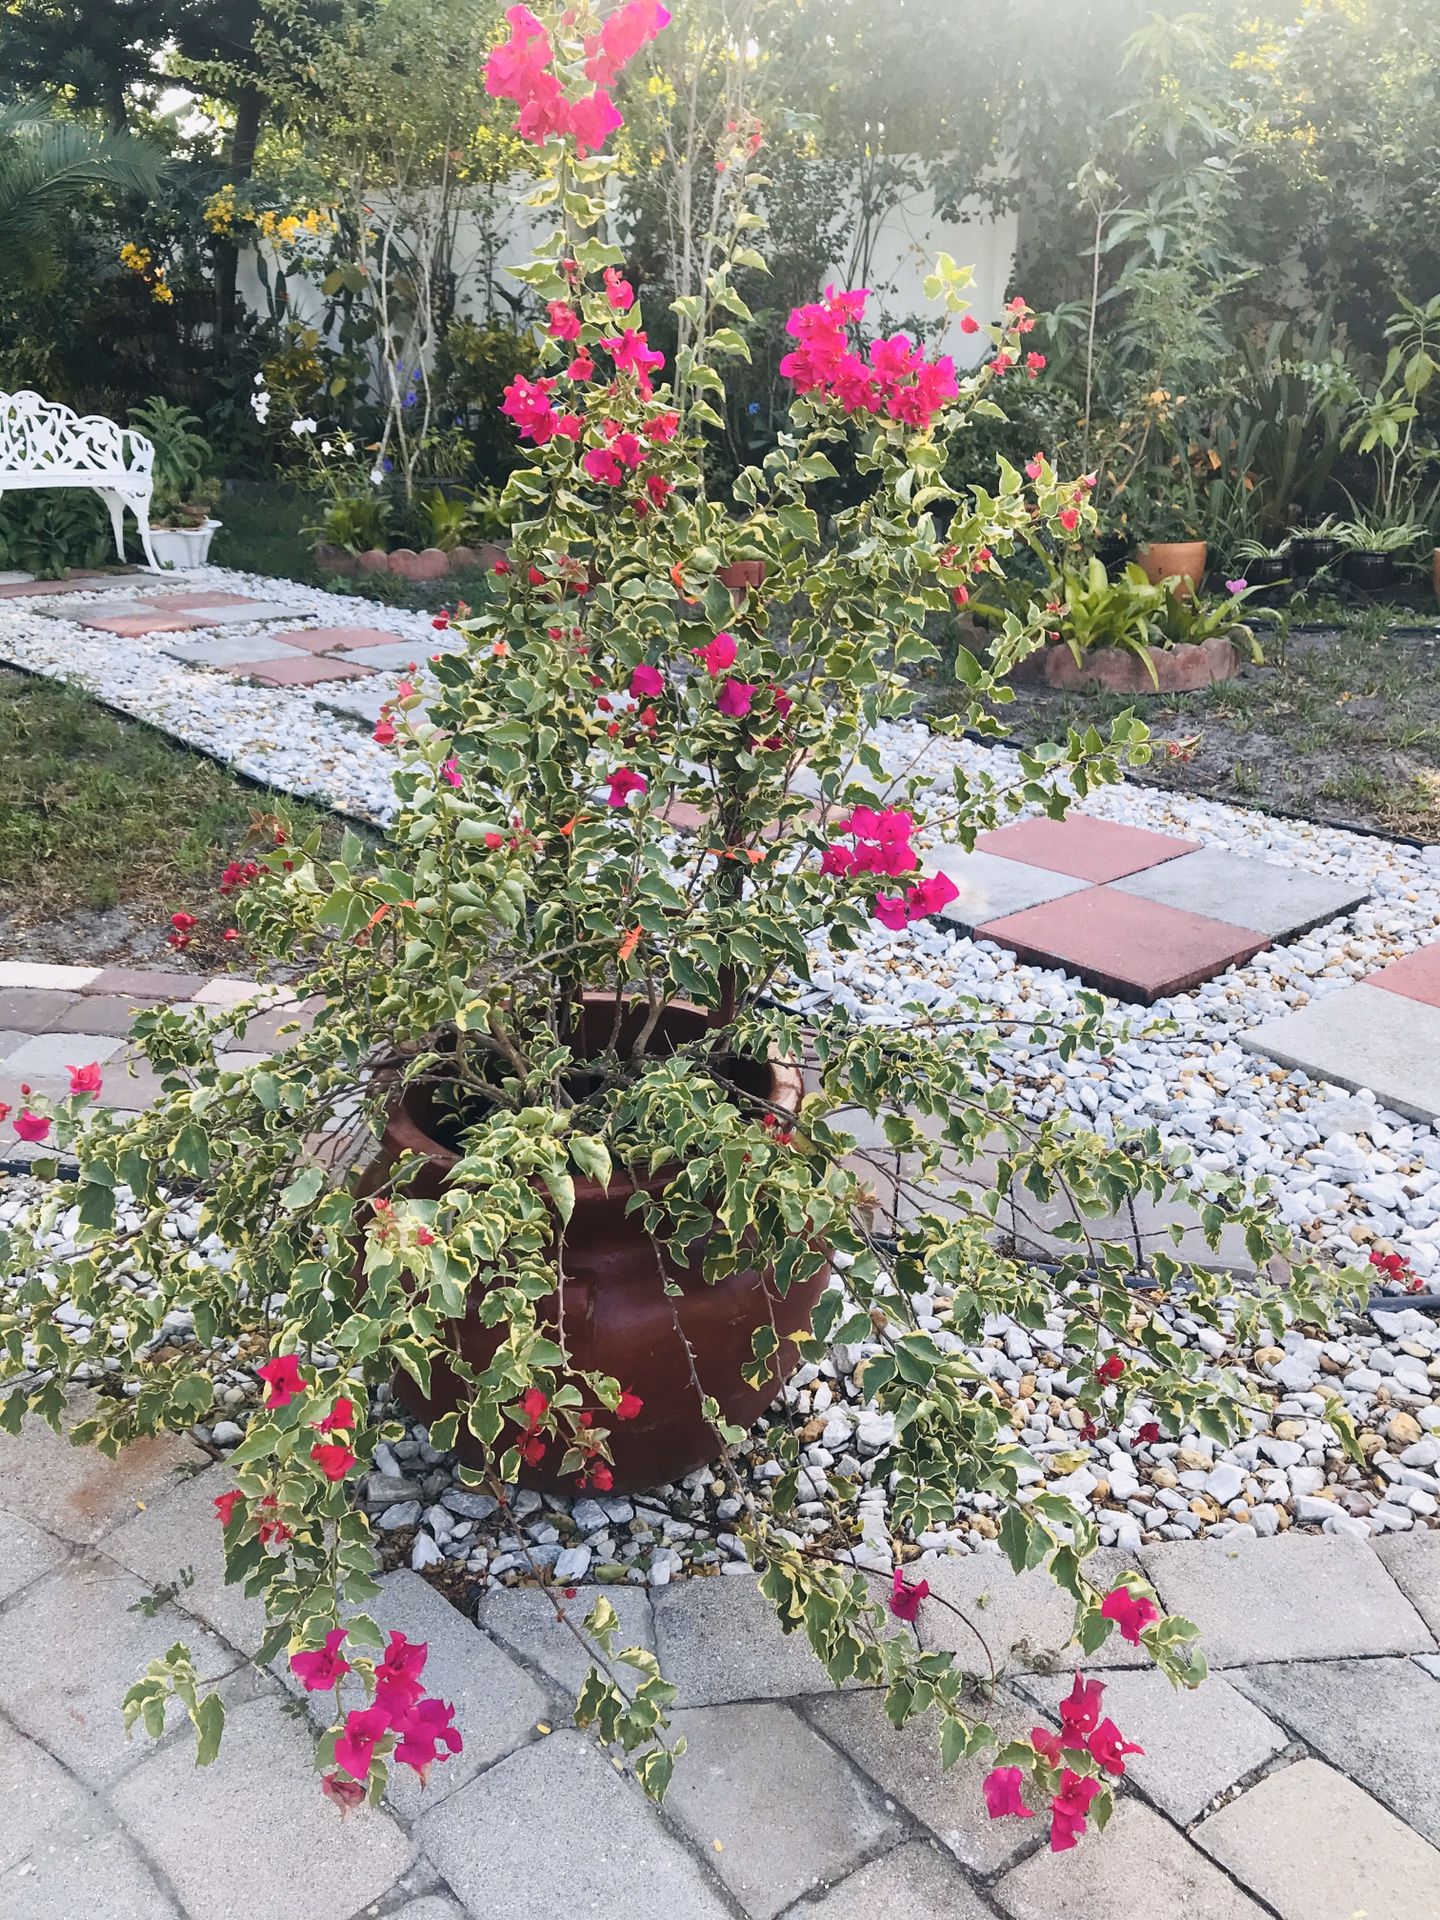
(1383, 1033)
(1137, 914)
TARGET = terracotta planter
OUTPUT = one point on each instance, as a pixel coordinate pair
(617, 1316)
(1174, 560)
(741, 577)
(1118, 670)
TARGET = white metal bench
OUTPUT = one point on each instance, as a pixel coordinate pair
(45, 444)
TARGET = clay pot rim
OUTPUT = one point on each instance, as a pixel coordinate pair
(404, 1133)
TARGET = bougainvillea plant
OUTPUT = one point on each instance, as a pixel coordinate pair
(610, 686)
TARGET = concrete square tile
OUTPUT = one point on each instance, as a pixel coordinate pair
(180, 1533)
(1198, 1741)
(304, 670)
(86, 1865)
(73, 1645)
(37, 1794)
(1083, 846)
(1139, 1867)
(1134, 949)
(39, 974)
(33, 1009)
(751, 1770)
(912, 1883)
(1296, 1597)
(1362, 1037)
(138, 984)
(1312, 1844)
(100, 1013)
(1379, 1720)
(26, 1552)
(129, 1082)
(719, 1640)
(1413, 1561)
(488, 1838)
(186, 602)
(1258, 894)
(253, 1834)
(229, 990)
(991, 887)
(523, 1620)
(397, 657)
(251, 613)
(227, 650)
(53, 1053)
(75, 1492)
(1025, 1619)
(362, 702)
(1416, 975)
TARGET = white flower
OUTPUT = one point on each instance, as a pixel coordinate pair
(377, 476)
(302, 427)
(348, 445)
(260, 406)
(325, 446)
(259, 379)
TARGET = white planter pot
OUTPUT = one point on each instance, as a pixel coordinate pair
(183, 547)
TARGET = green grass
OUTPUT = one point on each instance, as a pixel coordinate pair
(98, 812)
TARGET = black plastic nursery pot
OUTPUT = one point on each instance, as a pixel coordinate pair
(1310, 552)
(1268, 571)
(1113, 553)
(1363, 568)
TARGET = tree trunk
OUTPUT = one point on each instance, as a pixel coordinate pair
(249, 110)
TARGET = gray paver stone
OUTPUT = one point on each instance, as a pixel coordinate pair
(1259, 894)
(430, 1906)
(905, 1763)
(720, 1640)
(991, 887)
(253, 1834)
(912, 1883)
(1296, 1597)
(53, 1053)
(1377, 1719)
(1025, 1619)
(73, 1649)
(85, 1868)
(25, 1553)
(776, 1807)
(1362, 1037)
(555, 1828)
(1140, 1868)
(182, 1531)
(1197, 1742)
(228, 650)
(496, 1702)
(36, 1793)
(1317, 1848)
(1414, 1563)
(523, 1618)
(74, 1491)
(396, 655)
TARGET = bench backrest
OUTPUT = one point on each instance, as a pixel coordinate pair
(42, 436)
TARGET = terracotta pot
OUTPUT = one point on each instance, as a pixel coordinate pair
(618, 1318)
(741, 577)
(1174, 560)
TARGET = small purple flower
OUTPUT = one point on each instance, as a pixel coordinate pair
(1236, 586)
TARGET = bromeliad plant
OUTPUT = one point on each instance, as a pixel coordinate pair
(609, 682)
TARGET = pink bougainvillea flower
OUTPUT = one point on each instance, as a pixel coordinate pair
(968, 323)
(273, 1532)
(783, 702)
(1236, 586)
(717, 654)
(1047, 1745)
(340, 1418)
(1034, 365)
(837, 859)
(629, 1406)
(226, 1503)
(317, 1672)
(1110, 1368)
(1131, 1612)
(1069, 1809)
(364, 1729)
(623, 34)
(889, 910)
(929, 895)
(658, 488)
(623, 783)
(85, 1079)
(424, 1731)
(450, 772)
(384, 733)
(1147, 1435)
(1080, 1709)
(528, 404)
(346, 1794)
(646, 681)
(735, 697)
(903, 1601)
(1003, 1787)
(632, 353)
(282, 1377)
(564, 320)
(1108, 1746)
(618, 291)
(1069, 518)
(397, 1678)
(333, 1458)
(601, 465)
(1034, 468)
(591, 121)
(662, 427)
(31, 1126)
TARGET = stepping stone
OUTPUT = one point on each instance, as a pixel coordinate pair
(912, 1883)
(1379, 1720)
(77, 1494)
(992, 887)
(222, 614)
(138, 626)
(1362, 1036)
(396, 656)
(138, 983)
(1317, 1848)
(226, 650)
(719, 1640)
(523, 1619)
(332, 639)
(302, 670)
(1083, 846)
(1138, 1869)
(1135, 949)
(37, 973)
(185, 601)
(1279, 901)
(54, 1053)
(363, 702)
(1417, 976)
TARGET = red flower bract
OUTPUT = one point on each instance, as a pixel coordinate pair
(623, 783)
(282, 1377)
(1069, 1808)
(319, 1671)
(340, 1417)
(31, 1126)
(226, 1503)
(717, 654)
(1003, 1786)
(333, 1459)
(364, 1729)
(903, 1601)
(1131, 1612)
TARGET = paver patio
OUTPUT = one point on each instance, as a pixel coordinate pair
(1295, 1787)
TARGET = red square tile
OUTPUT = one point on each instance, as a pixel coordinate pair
(1133, 948)
(331, 639)
(300, 670)
(1416, 975)
(141, 983)
(1086, 848)
(136, 626)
